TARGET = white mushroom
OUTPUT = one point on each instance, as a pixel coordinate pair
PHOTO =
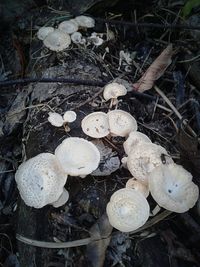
(172, 188)
(138, 186)
(113, 91)
(85, 22)
(96, 125)
(144, 158)
(40, 180)
(68, 117)
(96, 40)
(68, 26)
(43, 32)
(57, 40)
(62, 199)
(77, 38)
(133, 139)
(127, 210)
(55, 119)
(121, 123)
(77, 156)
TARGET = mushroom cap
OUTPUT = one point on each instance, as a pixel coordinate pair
(43, 32)
(57, 40)
(144, 158)
(127, 210)
(121, 123)
(69, 116)
(55, 119)
(68, 26)
(62, 199)
(96, 125)
(172, 188)
(96, 40)
(113, 90)
(77, 156)
(138, 186)
(76, 38)
(85, 21)
(40, 180)
(133, 139)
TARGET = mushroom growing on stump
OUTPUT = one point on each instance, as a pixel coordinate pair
(138, 186)
(96, 125)
(57, 40)
(41, 181)
(172, 188)
(133, 139)
(127, 210)
(121, 123)
(112, 91)
(144, 158)
(77, 156)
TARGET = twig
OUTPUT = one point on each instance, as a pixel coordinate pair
(166, 99)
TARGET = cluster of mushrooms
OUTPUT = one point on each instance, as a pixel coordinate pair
(41, 179)
(69, 31)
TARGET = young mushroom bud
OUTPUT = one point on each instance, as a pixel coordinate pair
(133, 139)
(77, 156)
(68, 26)
(43, 32)
(172, 188)
(138, 186)
(144, 158)
(96, 125)
(121, 123)
(40, 180)
(127, 210)
(77, 38)
(68, 117)
(112, 91)
(55, 119)
(57, 40)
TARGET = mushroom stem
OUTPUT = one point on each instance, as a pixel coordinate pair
(155, 211)
(66, 127)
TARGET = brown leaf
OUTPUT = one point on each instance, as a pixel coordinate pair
(96, 250)
(155, 71)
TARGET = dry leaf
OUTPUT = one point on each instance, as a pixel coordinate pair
(155, 71)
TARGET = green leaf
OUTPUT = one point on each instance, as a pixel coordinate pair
(189, 5)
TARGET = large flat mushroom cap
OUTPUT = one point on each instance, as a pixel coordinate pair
(96, 125)
(77, 156)
(40, 180)
(144, 158)
(133, 139)
(121, 123)
(127, 210)
(57, 40)
(172, 188)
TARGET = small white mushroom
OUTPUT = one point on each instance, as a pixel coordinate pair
(57, 40)
(133, 139)
(121, 123)
(96, 40)
(68, 26)
(77, 38)
(62, 199)
(112, 91)
(96, 125)
(68, 117)
(127, 210)
(43, 32)
(144, 158)
(40, 180)
(77, 156)
(172, 188)
(138, 186)
(85, 22)
(55, 119)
